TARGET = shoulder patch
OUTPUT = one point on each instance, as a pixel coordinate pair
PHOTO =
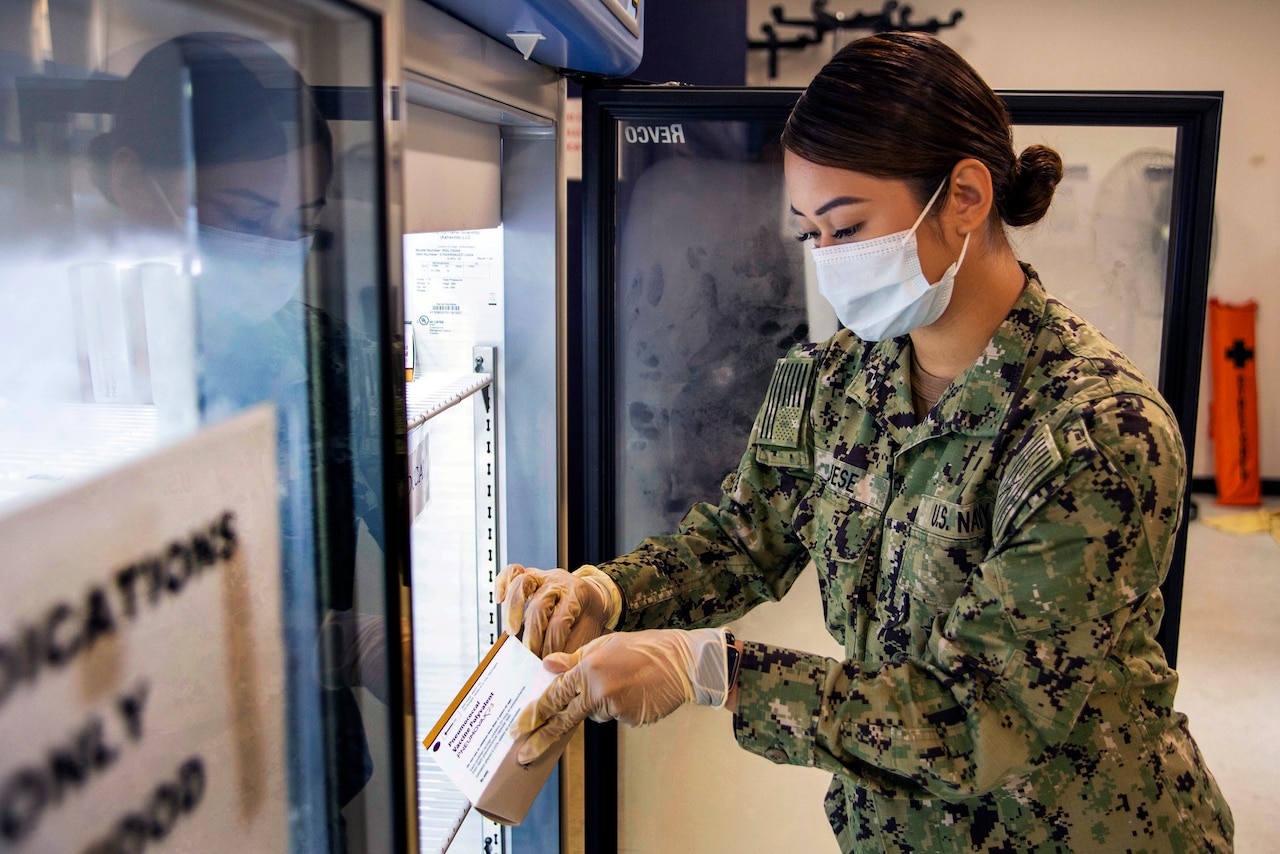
(781, 417)
(1034, 462)
(1038, 458)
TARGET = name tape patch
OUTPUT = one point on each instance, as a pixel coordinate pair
(852, 482)
(953, 521)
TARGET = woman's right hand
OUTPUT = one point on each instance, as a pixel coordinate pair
(559, 611)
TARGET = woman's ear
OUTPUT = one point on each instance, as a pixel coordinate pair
(969, 197)
(136, 193)
(124, 175)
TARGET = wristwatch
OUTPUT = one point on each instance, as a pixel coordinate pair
(733, 658)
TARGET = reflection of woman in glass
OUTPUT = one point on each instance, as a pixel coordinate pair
(261, 156)
(217, 138)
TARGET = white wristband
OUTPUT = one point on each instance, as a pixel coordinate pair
(608, 587)
(708, 669)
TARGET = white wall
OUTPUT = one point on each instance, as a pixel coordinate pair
(1143, 45)
(684, 784)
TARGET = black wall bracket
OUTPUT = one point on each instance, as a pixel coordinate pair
(892, 18)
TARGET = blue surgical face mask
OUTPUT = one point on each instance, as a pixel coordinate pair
(877, 287)
(249, 276)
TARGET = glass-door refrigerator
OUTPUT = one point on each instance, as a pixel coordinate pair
(197, 203)
(693, 286)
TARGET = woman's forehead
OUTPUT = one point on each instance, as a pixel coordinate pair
(811, 185)
(290, 179)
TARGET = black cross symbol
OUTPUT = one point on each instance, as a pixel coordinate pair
(1239, 353)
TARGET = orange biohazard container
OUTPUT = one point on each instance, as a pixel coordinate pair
(1233, 410)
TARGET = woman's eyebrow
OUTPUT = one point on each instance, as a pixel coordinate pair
(834, 203)
(256, 198)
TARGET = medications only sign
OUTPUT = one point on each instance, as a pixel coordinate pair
(141, 660)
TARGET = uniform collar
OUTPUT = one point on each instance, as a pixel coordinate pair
(977, 400)
(882, 387)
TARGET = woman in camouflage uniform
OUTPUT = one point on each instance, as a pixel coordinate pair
(990, 493)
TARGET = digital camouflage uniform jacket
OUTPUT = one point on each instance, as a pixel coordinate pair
(993, 573)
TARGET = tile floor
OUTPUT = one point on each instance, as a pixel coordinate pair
(1229, 664)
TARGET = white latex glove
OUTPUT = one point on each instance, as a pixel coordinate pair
(357, 651)
(559, 611)
(634, 677)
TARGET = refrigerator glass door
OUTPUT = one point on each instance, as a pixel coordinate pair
(192, 195)
(1127, 242)
(710, 293)
(1103, 248)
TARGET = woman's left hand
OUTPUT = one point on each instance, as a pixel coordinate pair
(634, 677)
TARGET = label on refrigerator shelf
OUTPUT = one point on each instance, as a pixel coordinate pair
(472, 742)
(408, 352)
(454, 295)
(141, 656)
(419, 470)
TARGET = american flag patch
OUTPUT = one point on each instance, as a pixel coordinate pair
(1038, 458)
(780, 418)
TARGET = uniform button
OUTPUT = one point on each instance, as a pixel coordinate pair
(776, 754)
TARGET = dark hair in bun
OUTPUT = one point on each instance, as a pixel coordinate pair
(906, 106)
(1036, 174)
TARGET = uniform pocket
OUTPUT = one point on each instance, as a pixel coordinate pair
(935, 570)
(923, 576)
(840, 534)
(837, 527)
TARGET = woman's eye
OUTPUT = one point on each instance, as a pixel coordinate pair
(251, 225)
(837, 235)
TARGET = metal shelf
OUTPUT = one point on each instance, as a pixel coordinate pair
(432, 393)
(46, 447)
(453, 558)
